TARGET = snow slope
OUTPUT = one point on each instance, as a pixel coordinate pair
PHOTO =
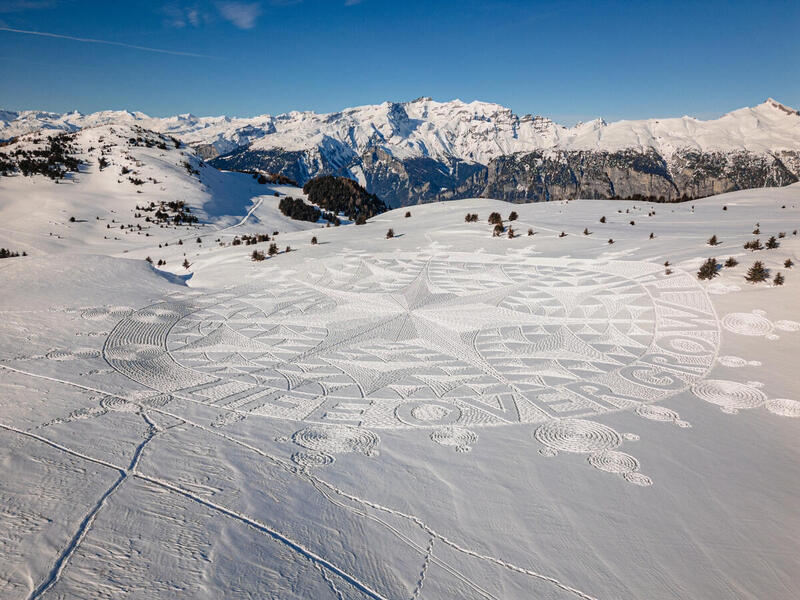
(103, 201)
(441, 414)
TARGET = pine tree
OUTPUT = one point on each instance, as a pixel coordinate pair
(498, 230)
(408, 213)
(788, 264)
(652, 235)
(495, 218)
(731, 262)
(257, 255)
(712, 241)
(273, 249)
(753, 245)
(610, 241)
(530, 231)
(186, 264)
(757, 272)
(708, 270)
(314, 241)
(513, 216)
(778, 279)
(562, 234)
(390, 234)
(510, 233)
(586, 231)
(772, 243)
(602, 219)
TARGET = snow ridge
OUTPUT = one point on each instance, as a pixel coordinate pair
(474, 132)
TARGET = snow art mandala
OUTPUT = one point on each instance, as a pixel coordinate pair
(399, 340)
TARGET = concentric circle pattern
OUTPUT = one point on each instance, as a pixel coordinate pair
(752, 324)
(402, 340)
(612, 461)
(336, 439)
(729, 395)
(577, 435)
(459, 438)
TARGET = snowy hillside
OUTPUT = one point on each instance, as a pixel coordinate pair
(423, 150)
(124, 185)
(560, 411)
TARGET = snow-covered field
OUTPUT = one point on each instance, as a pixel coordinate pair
(442, 414)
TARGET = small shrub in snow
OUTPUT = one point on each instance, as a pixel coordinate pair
(772, 243)
(788, 264)
(390, 233)
(257, 255)
(731, 262)
(778, 279)
(713, 241)
(513, 216)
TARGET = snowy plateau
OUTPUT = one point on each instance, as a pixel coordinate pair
(553, 407)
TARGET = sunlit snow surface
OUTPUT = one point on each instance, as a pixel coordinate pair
(439, 415)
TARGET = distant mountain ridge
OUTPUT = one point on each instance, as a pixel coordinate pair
(425, 151)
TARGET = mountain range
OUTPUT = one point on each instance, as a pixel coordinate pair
(426, 151)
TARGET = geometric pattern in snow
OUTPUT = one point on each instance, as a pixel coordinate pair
(397, 340)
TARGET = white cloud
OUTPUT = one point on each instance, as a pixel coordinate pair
(242, 15)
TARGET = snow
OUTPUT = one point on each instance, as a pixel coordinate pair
(442, 414)
(475, 132)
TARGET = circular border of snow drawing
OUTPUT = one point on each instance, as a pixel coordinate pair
(407, 340)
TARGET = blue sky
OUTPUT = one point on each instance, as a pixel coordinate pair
(569, 61)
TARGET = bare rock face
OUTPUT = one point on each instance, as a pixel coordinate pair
(542, 176)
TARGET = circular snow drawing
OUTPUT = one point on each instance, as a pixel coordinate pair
(730, 396)
(577, 435)
(399, 340)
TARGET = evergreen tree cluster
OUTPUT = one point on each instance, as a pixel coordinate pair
(296, 209)
(54, 159)
(343, 195)
(175, 211)
(5, 253)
